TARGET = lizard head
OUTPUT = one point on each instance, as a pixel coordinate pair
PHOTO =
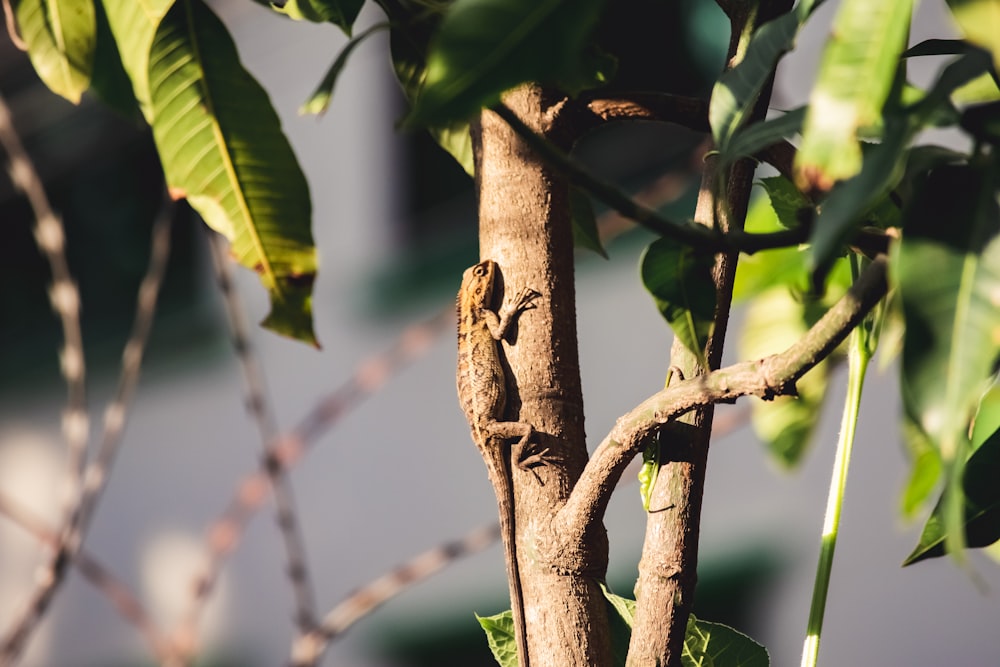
(477, 282)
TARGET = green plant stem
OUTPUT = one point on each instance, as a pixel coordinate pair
(858, 356)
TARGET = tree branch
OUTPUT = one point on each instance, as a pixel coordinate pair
(262, 412)
(308, 649)
(697, 236)
(114, 589)
(767, 378)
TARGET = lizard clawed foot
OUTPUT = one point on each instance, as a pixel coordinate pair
(525, 298)
(531, 461)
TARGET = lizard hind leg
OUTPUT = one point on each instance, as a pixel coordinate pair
(525, 455)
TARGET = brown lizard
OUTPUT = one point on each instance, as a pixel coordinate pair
(482, 391)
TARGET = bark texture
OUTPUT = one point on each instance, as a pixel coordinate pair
(525, 227)
(668, 567)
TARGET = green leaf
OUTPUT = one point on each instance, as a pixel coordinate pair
(980, 21)
(621, 613)
(763, 270)
(952, 232)
(774, 321)
(981, 518)
(339, 12)
(319, 101)
(756, 137)
(409, 66)
(843, 210)
(708, 644)
(484, 47)
(109, 81)
(499, 631)
(61, 36)
(787, 201)
(585, 234)
(925, 470)
(222, 148)
(133, 25)
(868, 39)
(680, 281)
(736, 91)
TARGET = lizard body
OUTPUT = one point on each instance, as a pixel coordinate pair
(483, 395)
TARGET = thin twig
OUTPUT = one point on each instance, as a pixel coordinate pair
(308, 649)
(127, 604)
(65, 299)
(288, 448)
(261, 409)
(95, 479)
(11, 21)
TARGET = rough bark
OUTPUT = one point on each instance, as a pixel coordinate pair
(668, 567)
(525, 227)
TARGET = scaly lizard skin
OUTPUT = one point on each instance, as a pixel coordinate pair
(483, 394)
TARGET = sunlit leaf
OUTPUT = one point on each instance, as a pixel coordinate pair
(134, 25)
(680, 281)
(787, 201)
(484, 47)
(774, 321)
(736, 91)
(61, 36)
(708, 644)
(868, 38)
(499, 631)
(222, 148)
(319, 101)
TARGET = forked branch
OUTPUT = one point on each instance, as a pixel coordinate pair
(767, 378)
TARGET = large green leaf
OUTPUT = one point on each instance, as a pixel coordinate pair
(736, 91)
(484, 47)
(133, 25)
(868, 38)
(61, 36)
(222, 148)
(952, 234)
(339, 12)
(845, 208)
(680, 280)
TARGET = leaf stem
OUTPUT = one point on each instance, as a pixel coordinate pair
(858, 355)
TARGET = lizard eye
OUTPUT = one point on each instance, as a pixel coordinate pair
(480, 270)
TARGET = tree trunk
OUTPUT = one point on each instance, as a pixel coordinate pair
(525, 227)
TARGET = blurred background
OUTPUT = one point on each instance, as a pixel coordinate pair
(395, 225)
